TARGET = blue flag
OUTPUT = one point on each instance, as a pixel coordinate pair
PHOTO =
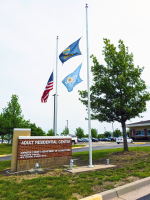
(72, 79)
(71, 51)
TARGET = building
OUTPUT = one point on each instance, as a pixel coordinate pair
(140, 130)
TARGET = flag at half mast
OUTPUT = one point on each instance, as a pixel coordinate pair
(72, 79)
(48, 88)
(71, 51)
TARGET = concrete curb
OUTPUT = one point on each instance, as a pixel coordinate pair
(5, 155)
(139, 143)
(121, 190)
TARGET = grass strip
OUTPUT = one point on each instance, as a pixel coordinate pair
(58, 185)
(5, 164)
(5, 149)
(97, 154)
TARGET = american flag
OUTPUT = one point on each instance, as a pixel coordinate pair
(48, 87)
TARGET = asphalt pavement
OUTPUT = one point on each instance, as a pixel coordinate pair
(147, 197)
(106, 145)
(4, 158)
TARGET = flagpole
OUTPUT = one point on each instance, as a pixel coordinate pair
(56, 87)
(88, 88)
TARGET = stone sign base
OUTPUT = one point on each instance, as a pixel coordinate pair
(43, 162)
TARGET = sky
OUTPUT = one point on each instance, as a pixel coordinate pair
(28, 32)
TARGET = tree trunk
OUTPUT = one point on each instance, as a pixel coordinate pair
(2, 137)
(124, 136)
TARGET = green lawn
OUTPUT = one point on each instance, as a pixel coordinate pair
(5, 164)
(58, 185)
(5, 149)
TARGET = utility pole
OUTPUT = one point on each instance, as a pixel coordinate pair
(104, 129)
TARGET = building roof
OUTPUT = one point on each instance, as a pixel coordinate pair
(141, 123)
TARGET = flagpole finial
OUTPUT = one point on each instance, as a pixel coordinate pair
(86, 5)
(57, 37)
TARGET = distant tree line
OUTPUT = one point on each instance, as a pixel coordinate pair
(12, 117)
(80, 133)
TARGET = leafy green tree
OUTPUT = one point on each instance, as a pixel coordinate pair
(116, 133)
(50, 132)
(101, 136)
(65, 131)
(118, 93)
(93, 132)
(79, 132)
(107, 134)
(36, 131)
(2, 127)
(86, 136)
(12, 115)
(8, 137)
(24, 124)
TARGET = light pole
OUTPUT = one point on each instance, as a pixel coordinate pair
(67, 124)
(104, 129)
(112, 128)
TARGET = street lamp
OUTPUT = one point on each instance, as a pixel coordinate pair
(67, 124)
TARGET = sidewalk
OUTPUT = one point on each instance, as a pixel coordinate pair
(131, 191)
(136, 194)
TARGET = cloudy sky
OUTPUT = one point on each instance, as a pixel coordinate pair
(28, 31)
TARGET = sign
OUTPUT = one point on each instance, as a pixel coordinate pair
(33, 147)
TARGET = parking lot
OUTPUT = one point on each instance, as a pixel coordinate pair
(106, 145)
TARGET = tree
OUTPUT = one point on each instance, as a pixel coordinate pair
(12, 115)
(86, 135)
(50, 132)
(2, 126)
(117, 133)
(65, 131)
(107, 134)
(79, 132)
(118, 93)
(93, 132)
(36, 131)
(101, 136)
(24, 124)
(8, 137)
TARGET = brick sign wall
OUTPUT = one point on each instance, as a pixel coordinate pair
(44, 148)
(48, 151)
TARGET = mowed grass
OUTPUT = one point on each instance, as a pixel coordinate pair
(106, 153)
(5, 149)
(5, 164)
(57, 184)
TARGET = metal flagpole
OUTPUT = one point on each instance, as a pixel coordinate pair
(54, 116)
(88, 88)
(56, 87)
